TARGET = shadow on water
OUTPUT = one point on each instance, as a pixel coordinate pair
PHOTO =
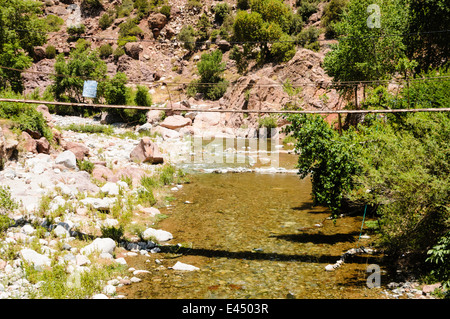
(257, 255)
(319, 238)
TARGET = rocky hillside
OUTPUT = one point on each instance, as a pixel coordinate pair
(161, 63)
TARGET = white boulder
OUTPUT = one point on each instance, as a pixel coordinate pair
(101, 245)
(68, 159)
(184, 267)
(158, 234)
(33, 257)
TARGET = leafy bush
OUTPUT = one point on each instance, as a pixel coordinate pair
(75, 32)
(24, 116)
(118, 52)
(5, 223)
(331, 15)
(166, 10)
(105, 50)
(187, 36)
(211, 68)
(53, 22)
(7, 203)
(85, 165)
(203, 27)
(50, 52)
(142, 97)
(115, 90)
(306, 8)
(268, 122)
(91, 4)
(68, 84)
(129, 28)
(142, 7)
(307, 36)
(439, 255)
(105, 21)
(124, 10)
(221, 10)
(243, 4)
(284, 49)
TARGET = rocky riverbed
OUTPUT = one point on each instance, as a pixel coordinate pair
(61, 212)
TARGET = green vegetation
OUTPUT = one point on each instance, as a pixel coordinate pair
(85, 165)
(395, 165)
(53, 22)
(266, 33)
(221, 11)
(106, 20)
(6, 202)
(105, 51)
(211, 69)
(86, 128)
(332, 15)
(82, 63)
(24, 116)
(50, 52)
(142, 97)
(16, 46)
(187, 36)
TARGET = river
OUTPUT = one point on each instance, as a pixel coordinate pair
(253, 235)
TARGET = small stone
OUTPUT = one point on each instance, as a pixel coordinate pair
(100, 296)
(121, 261)
(109, 290)
(329, 267)
(135, 279)
(184, 267)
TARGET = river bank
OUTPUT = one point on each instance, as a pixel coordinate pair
(63, 212)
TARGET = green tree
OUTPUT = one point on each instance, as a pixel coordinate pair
(187, 37)
(364, 53)
(203, 27)
(221, 10)
(332, 14)
(274, 11)
(211, 82)
(83, 63)
(429, 48)
(142, 97)
(115, 90)
(21, 30)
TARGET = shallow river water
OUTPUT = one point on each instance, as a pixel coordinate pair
(253, 235)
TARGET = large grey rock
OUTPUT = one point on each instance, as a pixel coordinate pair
(68, 159)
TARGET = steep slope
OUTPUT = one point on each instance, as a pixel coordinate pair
(160, 62)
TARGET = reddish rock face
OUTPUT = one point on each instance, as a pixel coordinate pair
(175, 122)
(30, 143)
(78, 149)
(146, 151)
(43, 146)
